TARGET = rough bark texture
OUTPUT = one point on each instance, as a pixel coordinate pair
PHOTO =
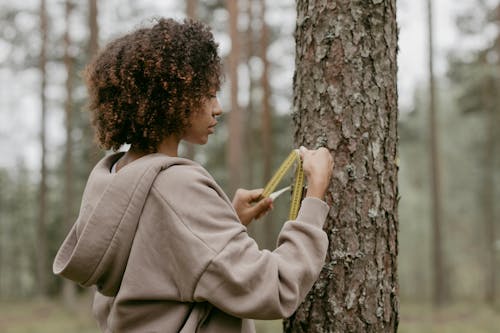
(41, 246)
(345, 98)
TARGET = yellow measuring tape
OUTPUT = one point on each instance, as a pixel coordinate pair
(297, 186)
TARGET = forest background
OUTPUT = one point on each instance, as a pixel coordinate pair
(467, 86)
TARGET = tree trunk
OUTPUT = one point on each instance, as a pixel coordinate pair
(41, 248)
(192, 8)
(266, 124)
(68, 286)
(439, 292)
(235, 117)
(345, 98)
(93, 45)
(488, 196)
(95, 152)
(266, 109)
(250, 133)
(191, 12)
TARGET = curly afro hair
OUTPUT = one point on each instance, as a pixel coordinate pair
(143, 86)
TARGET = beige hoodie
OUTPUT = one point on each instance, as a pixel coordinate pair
(164, 246)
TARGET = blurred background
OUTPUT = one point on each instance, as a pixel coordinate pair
(46, 149)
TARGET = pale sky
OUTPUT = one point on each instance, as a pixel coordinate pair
(21, 110)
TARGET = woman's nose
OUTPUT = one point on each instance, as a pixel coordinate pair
(217, 110)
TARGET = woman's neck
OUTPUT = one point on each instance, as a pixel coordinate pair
(169, 146)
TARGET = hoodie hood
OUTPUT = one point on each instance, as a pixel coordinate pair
(96, 250)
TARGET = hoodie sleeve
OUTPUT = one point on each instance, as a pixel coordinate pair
(246, 282)
(240, 279)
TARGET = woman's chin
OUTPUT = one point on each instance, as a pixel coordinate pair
(198, 141)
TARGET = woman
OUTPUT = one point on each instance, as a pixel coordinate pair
(165, 247)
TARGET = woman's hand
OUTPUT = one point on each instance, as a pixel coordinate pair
(318, 168)
(247, 208)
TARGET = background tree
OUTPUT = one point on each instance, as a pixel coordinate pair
(266, 136)
(234, 145)
(266, 116)
(437, 252)
(345, 98)
(94, 152)
(42, 262)
(69, 197)
(191, 12)
(479, 74)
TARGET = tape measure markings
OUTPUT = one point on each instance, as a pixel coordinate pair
(297, 192)
(297, 187)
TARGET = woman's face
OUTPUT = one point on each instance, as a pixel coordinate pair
(203, 121)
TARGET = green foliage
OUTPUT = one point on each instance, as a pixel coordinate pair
(18, 194)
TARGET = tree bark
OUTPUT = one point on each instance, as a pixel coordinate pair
(68, 286)
(235, 116)
(439, 292)
(345, 98)
(41, 246)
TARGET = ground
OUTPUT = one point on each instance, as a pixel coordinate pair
(44, 316)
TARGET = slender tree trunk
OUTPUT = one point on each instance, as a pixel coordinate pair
(191, 12)
(250, 111)
(192, 8)
(439, 292)
(235, 116)
(95, 152)
(68, 286)
(266, 128)
(252, 133)
(345, 98)
(41, 246)
(488, 196)
(266, 109)
(93, 45)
